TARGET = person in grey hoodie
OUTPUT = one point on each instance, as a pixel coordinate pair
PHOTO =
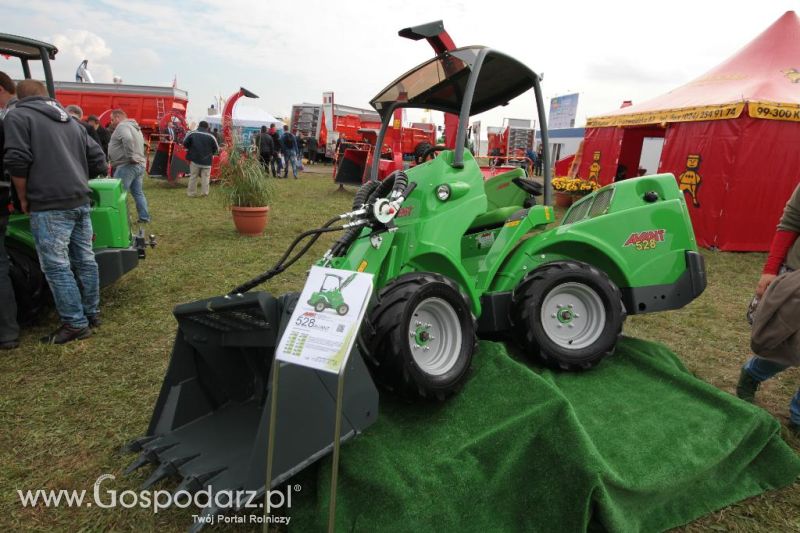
(126, 153)
(50, 158)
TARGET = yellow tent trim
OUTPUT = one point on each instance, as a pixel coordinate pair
(686, 114)
(774, 111)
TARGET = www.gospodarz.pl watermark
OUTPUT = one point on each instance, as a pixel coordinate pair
(158, 500)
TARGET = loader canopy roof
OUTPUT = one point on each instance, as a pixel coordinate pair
(24, 48)
(441, 82)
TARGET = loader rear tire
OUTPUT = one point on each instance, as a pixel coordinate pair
(419, 336)
(31, 290)
(569, 313)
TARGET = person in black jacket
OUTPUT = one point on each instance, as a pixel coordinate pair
(312, 145)
(289, 148)
(77, 113)
(9, 329)
(266, 149)
(50, 158)
(102, 133)
(276, 141)
(201, 146)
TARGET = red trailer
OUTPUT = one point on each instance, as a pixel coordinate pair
(145, 104)
(313, 120)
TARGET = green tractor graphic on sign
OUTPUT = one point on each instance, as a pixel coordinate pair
(330, 294)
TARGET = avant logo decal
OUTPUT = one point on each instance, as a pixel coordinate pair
(646, 240)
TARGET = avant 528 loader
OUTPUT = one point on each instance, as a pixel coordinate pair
(330, 296)
(452, 258)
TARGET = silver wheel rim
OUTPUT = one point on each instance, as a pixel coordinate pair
(435, 336)
(573, 315)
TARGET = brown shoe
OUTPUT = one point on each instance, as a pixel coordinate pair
(66, 333)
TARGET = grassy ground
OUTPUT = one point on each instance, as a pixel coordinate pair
(66, 411)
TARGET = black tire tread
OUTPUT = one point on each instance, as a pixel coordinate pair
(380, 339)
(523, 313)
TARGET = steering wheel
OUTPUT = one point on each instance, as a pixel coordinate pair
(529, 186)
(429, 152)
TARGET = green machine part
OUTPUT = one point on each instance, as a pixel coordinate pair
(110, 214)
(109, 217)
(637, 231)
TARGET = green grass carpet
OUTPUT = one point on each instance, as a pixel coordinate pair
(637, 444)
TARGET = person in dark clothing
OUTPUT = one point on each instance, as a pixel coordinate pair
(102, 133)
(9, 329)
(266, 148)
(312, 145)
(289, 146)
(201, 146)
(77, 113)
(50, 158)
(276, 140)
(301, 143)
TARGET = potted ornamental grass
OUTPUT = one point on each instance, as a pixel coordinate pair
(247, 191)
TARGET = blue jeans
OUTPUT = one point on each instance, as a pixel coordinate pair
(9, 329)
(64, 243)
(762, 369)
(132, 177)
(291, 159)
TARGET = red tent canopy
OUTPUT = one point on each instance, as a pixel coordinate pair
(731, 138)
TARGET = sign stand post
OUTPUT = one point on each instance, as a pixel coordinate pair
(337, 436)
(273, 411)
(337, 432)
(320, 336)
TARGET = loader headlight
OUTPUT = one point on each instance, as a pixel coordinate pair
(443, 192)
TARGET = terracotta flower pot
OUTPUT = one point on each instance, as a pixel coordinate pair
(250, 221)
(563, 199)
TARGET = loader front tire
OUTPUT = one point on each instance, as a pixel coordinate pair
(569, 313)
(419, 336)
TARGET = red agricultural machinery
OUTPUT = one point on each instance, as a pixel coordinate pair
(170, 160)
(508, 146)
(402, 146)
(146, 104)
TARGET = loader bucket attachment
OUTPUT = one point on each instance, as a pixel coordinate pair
(210, 424)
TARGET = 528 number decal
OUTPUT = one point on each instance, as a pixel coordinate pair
(304, 321)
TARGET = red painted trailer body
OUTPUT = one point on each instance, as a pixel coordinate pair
(143, 103)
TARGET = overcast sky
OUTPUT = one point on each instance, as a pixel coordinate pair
(290, 52)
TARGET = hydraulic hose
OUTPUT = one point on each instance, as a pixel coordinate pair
(282, 263)
(393, 185)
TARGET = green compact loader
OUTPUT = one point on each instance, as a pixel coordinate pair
(453, 257)
(330, 296)
(117, 250)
